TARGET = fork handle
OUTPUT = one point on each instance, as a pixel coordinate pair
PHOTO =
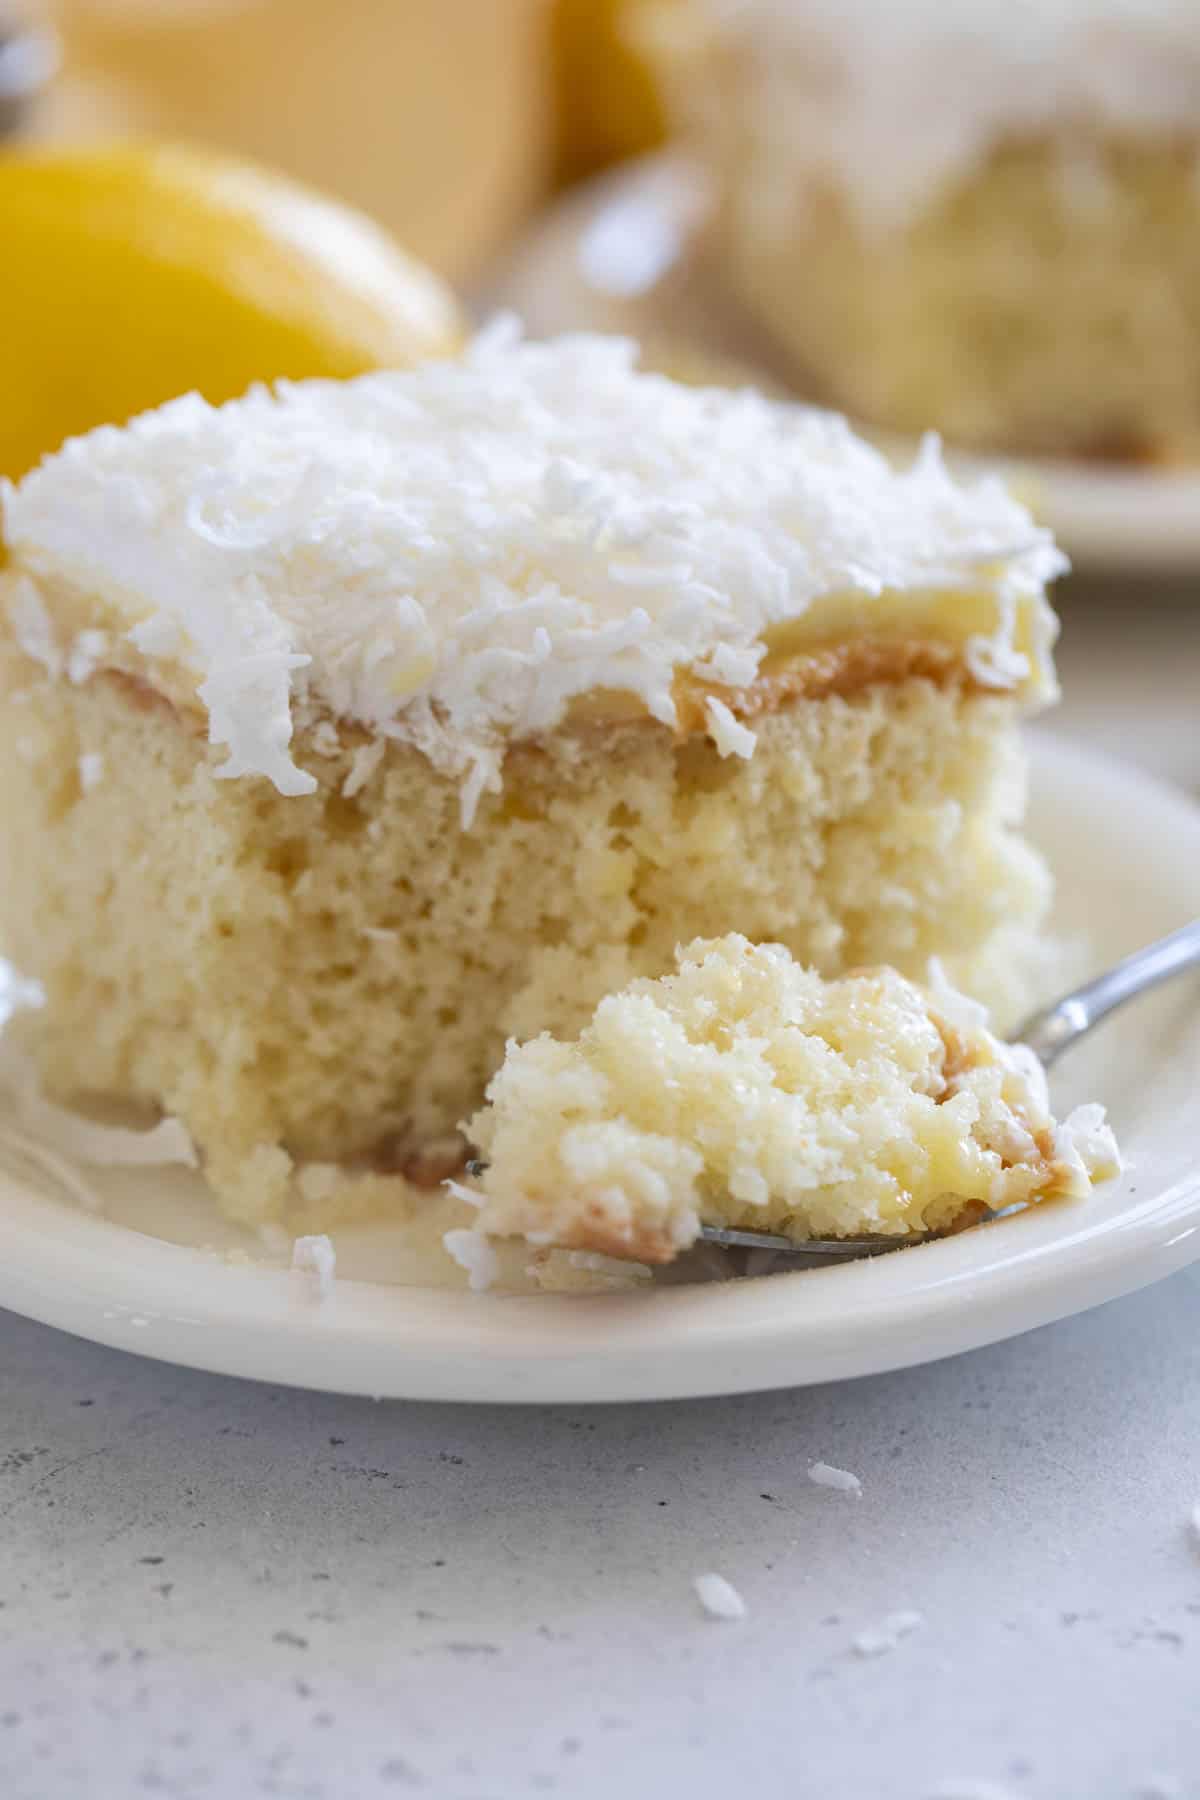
(1051, 1032)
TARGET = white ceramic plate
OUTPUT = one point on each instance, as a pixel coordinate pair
(615, 256)
(1127, 853)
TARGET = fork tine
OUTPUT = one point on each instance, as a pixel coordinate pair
(845, 1249)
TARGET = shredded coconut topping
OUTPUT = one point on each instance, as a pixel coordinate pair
(719, 1598)
(730, 736)
(451, 555)
(895, 101)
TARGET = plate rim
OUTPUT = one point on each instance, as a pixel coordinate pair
(117, 1286)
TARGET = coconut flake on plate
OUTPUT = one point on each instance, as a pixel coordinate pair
(474, 1252)
(317, 1258)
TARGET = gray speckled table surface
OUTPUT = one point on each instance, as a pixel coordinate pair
(212, 1589)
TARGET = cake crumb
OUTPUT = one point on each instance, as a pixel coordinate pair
(877, 1640)
(719, 1598)
(825, 1475)
(315, 1256)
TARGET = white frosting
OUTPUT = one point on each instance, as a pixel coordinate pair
(450, 555)
(893, 97)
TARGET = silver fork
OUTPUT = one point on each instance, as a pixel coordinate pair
(1048, 1034)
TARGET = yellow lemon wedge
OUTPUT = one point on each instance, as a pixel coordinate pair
(135, 273)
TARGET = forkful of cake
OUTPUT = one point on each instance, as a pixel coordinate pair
(745, 1101)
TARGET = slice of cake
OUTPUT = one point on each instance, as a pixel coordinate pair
(984, 218)
(744, 1090)
(351, 729)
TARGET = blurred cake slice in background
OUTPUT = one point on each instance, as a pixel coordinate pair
(983, 218)
(352, 729)
(743, 1090)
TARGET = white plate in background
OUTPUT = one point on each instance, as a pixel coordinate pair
(616, 255)
(1126, 850)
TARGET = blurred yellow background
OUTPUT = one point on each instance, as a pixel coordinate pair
(446, 120)
(203, 193)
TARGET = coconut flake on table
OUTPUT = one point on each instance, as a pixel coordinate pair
(878, 1639)
(719, 1598)
(825, 1475)
(317, 1258)
(451, 555)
